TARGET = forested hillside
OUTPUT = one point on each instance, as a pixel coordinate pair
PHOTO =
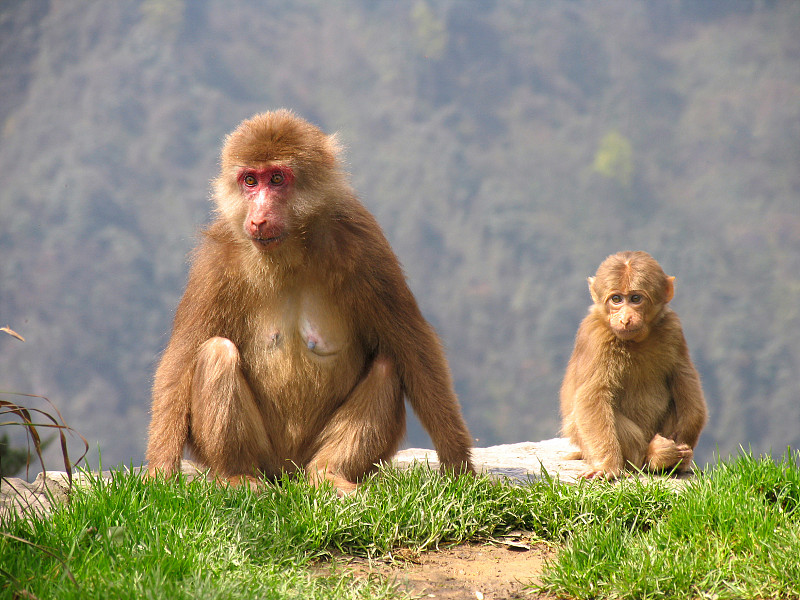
(505, 147)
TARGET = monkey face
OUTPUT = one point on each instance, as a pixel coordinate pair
(267, 193)
(631, 289)
(626, 314)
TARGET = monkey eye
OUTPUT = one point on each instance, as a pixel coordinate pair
(636, 299)
(277, 178)
(616, 299)
(250, 180)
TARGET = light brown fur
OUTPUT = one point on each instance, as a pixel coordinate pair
(297, 353)
(631, 396)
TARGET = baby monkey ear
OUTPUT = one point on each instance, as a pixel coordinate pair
(669, 289)
(595, 298)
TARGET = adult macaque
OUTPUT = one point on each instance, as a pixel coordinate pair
(297, 337)
(631, 396)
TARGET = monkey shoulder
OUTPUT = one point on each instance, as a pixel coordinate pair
(355, 254)
(216, 285)
(668, 332)
(594, 335)
(351, 238)
(594, 348)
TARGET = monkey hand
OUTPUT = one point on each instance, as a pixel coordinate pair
(456, 469)
(664, 454)
(605, 473)
(254, 483)
(318, 477)
(155, 471)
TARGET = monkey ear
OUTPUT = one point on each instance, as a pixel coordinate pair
(334, 148)
(595, 297)
(669, 290)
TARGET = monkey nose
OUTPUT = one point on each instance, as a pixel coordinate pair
(260, 228)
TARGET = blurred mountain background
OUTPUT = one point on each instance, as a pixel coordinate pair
(505, 147)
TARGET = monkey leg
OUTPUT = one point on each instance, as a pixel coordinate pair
(227, 429)
(366, 429)
(570, 430)
(609, 457)
(664, 454)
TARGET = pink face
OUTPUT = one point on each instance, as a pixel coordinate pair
(267, 192)
(626, 314)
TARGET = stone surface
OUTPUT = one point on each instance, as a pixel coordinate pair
(518, 462)
(515, 462)
(35, 498)
(522, 462)
(51, 488)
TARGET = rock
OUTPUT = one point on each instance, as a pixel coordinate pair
(523, 462)
(514, 462)
(48, 489)
(518, 462)
(37, 498)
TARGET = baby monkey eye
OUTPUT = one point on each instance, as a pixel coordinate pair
(277, 178)
(250, 180)
(636, 299)
(616, 299)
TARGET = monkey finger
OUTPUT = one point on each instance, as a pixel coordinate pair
(346, 490)
(254, 483)
(343, 486)
(456, 470)
(604, 474)
(155, 472)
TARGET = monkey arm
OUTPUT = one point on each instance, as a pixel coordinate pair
(392, 325)
(169, 425)
(587, 398)
(687, 393)
(596, 423)
(402, 333)
(428, 385)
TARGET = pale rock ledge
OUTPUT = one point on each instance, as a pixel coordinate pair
(519, 462)
(515, 463)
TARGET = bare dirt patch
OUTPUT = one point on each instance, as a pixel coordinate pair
(491, 571)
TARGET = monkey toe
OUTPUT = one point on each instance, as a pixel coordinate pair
(254, 483)
(686, 455)
(157, 472)
(345, 488)
(601, 474)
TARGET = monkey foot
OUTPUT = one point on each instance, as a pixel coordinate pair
(605, 474)
(663, 454)
(254, 483)
(344, 487)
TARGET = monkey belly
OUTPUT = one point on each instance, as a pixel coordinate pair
(300, 375)
(649, 410)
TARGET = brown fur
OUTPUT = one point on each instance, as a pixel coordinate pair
(631, 395)
(299, 355)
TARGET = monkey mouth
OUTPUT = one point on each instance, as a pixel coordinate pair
(267, 243)
(627, 335)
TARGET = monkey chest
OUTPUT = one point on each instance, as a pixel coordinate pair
(304, 336)
(643, 390)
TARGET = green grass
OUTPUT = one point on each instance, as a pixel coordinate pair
(733, 532)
